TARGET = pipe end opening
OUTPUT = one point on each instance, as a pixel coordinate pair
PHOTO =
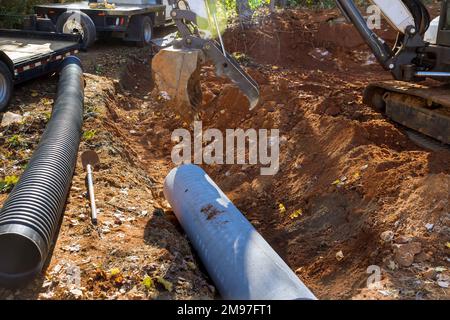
(19, 257)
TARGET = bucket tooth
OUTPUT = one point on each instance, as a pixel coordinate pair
(227, 66)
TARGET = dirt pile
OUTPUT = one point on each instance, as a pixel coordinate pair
(302, 38)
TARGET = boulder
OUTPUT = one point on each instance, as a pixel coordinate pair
(404, 253)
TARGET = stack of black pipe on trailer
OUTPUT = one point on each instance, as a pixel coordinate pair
(31, 215)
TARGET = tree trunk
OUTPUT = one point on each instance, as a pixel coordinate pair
(272, 5)
(279, 3)
(282, 3)
(244, 10)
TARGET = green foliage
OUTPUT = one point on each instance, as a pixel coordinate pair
(11, 10)
(231, 4)
(148, 283)
(12, 7)
(167, 284)
(242, 58)
(16, 141)
(254, 4)
(8, 183)
(47, 116)
(98, 69)
(89, 135)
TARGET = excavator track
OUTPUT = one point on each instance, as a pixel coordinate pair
(424, 108)
(426, 142)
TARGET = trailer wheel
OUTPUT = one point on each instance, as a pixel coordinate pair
(6, 86)
(146, 29)
(79, 23)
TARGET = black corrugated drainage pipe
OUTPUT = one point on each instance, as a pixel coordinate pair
(31, 215)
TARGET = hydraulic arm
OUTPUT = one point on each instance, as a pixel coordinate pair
(411, 58)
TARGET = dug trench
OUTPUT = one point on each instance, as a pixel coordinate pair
(352, 190)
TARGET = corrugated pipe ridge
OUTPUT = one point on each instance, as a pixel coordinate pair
(31, 215)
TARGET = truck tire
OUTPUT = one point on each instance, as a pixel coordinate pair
(146, 31)
(79, 23)
(6, 86)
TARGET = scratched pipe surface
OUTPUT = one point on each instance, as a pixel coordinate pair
(241, 263)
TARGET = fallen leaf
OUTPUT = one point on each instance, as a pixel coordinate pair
(47, 102)
(8, 183)
(100, 274)
(105, 230)
(118, 280)
(167, 284)
(385, 293)
(296, 214)
(340, 256)
(77, 293)
(440, 269)
(392, 265)
(72, 248)
(116, 276)
(147, 282)
(281, 208)
(114, 272)
(387, 236)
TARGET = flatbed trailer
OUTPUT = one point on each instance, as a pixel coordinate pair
(25, 55)
(130, 22)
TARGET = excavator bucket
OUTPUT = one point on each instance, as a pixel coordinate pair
(177, 76)
(176, 73)
(176, 69)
